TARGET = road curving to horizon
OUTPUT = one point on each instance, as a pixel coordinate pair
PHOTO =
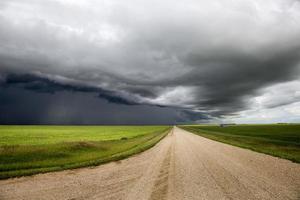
(181, 166)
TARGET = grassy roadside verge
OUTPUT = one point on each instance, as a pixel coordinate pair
(278, 140)
(20, 160)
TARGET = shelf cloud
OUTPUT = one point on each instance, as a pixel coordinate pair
(179, 62)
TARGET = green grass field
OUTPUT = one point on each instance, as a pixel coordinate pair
(27, 150)
(281, 140)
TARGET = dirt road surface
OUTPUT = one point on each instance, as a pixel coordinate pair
(181, 166)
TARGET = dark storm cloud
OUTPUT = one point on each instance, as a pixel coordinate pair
(227, 88)
(45, 85)
(188, 116)
(201, 59)
(19, 106)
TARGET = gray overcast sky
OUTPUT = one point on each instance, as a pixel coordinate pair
(149, 62)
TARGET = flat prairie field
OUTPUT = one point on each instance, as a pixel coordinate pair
(281, 140)
(27, 150)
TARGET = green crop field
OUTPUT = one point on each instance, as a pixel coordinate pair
(281, 140)
(26, 150)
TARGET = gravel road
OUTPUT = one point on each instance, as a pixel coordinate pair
(181, 166)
